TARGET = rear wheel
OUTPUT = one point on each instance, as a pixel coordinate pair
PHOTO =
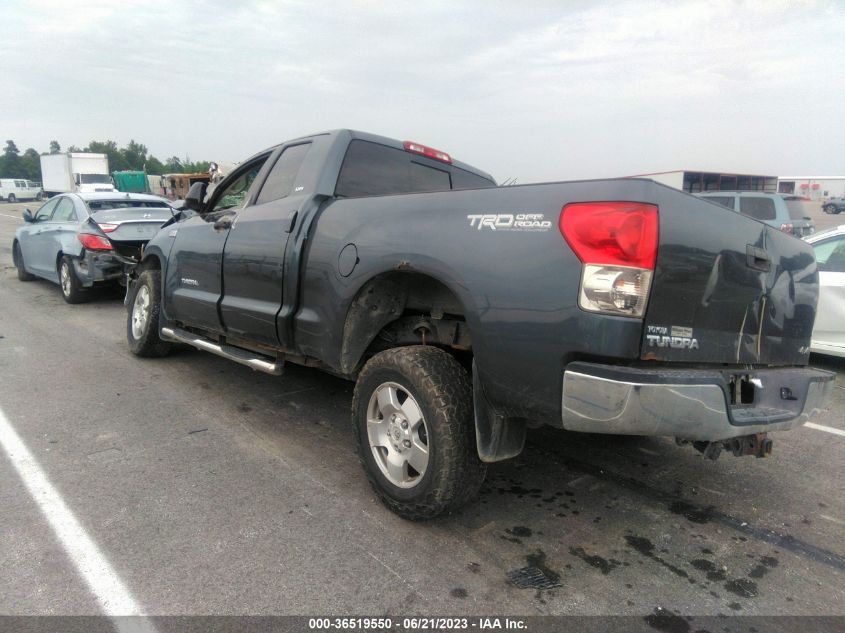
(12, 198)
(72, 289)
(17, 257)
(143, 319)
(412, 413)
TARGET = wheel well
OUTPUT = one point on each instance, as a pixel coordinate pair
(402, 308)
(150, 262)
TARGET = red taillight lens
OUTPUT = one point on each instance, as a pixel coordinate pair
(94, 242)
(430, 152)
(786, 228)
(611, 233)
(107, 228)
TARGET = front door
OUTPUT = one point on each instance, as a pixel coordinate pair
(34, 241)
(193, 283)
(253, 261)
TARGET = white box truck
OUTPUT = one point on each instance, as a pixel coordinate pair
(79, 172)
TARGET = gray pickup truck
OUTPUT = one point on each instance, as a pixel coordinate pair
(467, 313)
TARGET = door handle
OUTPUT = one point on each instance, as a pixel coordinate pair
(757, 258)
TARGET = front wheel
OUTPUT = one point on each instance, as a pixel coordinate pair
(12, 198)
(830, 209)
(72, 289)
(143, 318)
(412, 414)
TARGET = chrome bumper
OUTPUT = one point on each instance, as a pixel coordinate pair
(688, 404)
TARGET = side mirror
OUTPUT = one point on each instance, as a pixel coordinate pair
(27, 216)
(196, 194)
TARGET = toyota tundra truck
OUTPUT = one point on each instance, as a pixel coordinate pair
(467, 313)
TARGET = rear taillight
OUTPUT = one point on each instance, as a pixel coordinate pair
(94, 242)
(786, 227)
(617, 243)
(108, 228)
(430, 152)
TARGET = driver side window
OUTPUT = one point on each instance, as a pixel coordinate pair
(235, 193)
(43, 214)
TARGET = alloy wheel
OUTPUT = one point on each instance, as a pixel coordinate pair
(398, 435)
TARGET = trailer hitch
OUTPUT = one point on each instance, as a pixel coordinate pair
(758, 445)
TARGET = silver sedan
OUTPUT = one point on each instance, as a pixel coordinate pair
(77, 239)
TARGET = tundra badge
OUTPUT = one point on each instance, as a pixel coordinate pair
(678, 337)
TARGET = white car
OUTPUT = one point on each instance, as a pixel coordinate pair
(14, 189)
(829, 330)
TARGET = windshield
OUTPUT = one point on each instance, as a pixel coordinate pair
(86, 179)
(100, 205)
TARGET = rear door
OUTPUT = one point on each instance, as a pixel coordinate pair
(193, 282)
(829, 329)
(254, 255)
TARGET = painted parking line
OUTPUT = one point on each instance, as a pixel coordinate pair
(95, 569)
(826, 429)
(14, 217)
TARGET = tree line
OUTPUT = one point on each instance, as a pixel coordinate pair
(134, 156)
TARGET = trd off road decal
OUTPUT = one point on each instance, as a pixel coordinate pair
(509, 222)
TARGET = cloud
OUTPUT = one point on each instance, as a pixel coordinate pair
(537, 90)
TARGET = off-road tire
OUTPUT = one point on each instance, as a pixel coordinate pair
(148, 344)
(17, 257)
(73, 291)
(442, 388)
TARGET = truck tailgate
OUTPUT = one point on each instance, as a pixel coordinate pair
(728, 289)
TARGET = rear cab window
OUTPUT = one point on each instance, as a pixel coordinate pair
(762, 209)
(372, 169)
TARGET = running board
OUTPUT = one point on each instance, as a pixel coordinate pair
(237, 354)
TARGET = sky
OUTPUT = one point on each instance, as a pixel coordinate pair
(526, 90)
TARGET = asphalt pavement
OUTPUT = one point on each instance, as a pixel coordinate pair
(206, 488)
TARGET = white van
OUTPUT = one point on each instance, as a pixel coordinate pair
(14, 189)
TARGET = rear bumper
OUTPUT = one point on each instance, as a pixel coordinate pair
(692, 404)
(98, 266)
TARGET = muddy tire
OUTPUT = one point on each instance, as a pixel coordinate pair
(414, 429)
(17, 257)
(142, 320)
(72, 290)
